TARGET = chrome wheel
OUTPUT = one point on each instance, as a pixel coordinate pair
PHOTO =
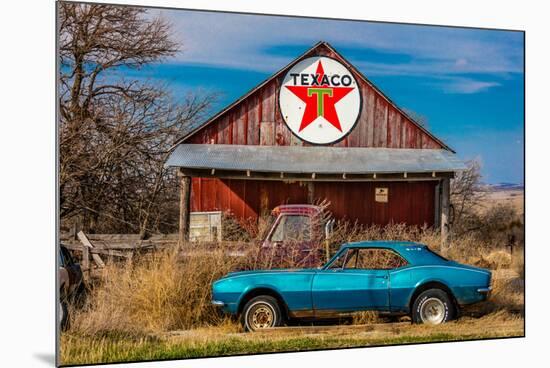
(261, 312)
(261, 316)
(432, 311)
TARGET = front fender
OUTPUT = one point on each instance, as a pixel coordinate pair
(293, 288)
(251, 288)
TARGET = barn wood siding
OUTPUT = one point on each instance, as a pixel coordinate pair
(257, 120)
(409, 202)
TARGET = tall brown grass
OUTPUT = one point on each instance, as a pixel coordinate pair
(154, 293)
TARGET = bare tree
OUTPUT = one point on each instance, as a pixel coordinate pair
(115, 133)
(491, 222)
(467, 197)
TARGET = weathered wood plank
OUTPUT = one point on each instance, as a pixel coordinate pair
(106, 252)
(393, 139)
(224, 131)
(445, 211)
(253, 120)
(268, 102)
(185, 209)
(85, 260)
(239, 125)
(404, 133)
(397, 132)
(86, 242)
(426, 140)
(370, 116)
(361, 127)
(267, 133)
(381, 122)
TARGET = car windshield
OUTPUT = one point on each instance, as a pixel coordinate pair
(338, 262)
(292, 228)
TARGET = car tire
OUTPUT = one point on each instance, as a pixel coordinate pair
(64, 316)
(261, 312)
(433, 306)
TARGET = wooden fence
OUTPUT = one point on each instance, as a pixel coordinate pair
(94, 249)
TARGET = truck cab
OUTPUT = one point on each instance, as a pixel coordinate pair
(298, 234)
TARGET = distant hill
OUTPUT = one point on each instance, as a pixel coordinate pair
(502, 186)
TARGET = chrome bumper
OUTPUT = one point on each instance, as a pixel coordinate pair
(218, 303)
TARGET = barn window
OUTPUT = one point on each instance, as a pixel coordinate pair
(292, 228)
(374, 259)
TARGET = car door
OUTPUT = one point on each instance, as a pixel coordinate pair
(351, 287)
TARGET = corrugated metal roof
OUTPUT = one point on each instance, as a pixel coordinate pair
(321, 160)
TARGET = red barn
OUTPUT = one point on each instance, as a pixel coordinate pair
(317, 129)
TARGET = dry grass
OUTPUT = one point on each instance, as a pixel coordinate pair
(514, 198)
(366, 317)
(157, 293)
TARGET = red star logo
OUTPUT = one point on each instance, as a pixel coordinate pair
(320, 100)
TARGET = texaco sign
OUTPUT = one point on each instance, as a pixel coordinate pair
(320, 100)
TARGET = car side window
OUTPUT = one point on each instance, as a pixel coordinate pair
(375, 259)
(292, 228)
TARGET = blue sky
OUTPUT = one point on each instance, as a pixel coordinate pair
(467, 83)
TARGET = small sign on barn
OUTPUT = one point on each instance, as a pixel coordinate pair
(381, 195)
(317, 129)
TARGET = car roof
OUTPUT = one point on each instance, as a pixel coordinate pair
(413, 252)
(392, 244)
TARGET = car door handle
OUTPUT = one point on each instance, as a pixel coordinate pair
(379, 276)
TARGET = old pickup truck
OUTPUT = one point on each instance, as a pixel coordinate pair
(298, 234)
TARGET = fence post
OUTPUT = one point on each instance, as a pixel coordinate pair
(88, 244)
(445, 211)
(86, 260)
(185, 208)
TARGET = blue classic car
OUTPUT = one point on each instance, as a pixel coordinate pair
(386, 276)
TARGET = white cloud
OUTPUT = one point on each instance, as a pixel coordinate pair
(467, 86)
(241, 41)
